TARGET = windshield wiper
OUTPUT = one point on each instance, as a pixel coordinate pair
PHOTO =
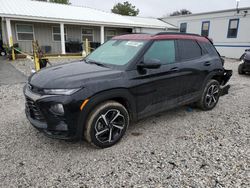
(95, 62)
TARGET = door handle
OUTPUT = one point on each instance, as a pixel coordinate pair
(175, 69)
(207, 63)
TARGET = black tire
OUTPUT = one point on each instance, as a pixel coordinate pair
(210, 95)
(240, 69)
(106, 124)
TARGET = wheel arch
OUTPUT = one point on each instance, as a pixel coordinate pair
(215, 75)
(121, 95)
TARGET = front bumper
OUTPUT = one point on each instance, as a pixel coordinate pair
(38, 112)
(246, 66)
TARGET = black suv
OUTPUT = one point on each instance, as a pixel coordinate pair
(126, 79)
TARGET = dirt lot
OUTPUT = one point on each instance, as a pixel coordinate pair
(178, 148)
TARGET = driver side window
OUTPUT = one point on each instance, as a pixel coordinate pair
(164, 51)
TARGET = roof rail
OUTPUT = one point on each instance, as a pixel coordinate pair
(177, 33)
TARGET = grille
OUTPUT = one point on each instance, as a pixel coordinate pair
(33, 110)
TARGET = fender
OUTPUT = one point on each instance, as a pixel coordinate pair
(212, 74)
(121, 93)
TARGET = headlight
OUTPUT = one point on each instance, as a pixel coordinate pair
(60, 91)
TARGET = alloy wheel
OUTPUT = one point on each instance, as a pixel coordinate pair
(212, 95)
(109, 126)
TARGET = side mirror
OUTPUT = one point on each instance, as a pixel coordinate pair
(150, 64)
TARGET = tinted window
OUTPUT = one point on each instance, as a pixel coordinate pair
(183, 27)
(162, 50)
(208, 48)
(189, 49)
(233, 28)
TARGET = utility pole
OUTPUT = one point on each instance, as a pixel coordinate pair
(237, 6)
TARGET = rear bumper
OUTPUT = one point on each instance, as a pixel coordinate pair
(226, 77)
(224, 90)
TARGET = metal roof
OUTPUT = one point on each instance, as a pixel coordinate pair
(210, 12)
(45, 11)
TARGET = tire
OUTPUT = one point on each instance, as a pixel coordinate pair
(240, 69)
(210, 95)
(106, 124)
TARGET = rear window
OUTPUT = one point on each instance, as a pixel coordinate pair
(189, 49)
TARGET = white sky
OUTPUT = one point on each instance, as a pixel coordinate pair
(158, 8)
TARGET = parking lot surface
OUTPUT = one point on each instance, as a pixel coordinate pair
(180, 148)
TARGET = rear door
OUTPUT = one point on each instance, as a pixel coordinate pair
(194, 66)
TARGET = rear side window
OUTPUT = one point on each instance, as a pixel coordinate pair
(189, 49)
(163, 51)
(209, 48)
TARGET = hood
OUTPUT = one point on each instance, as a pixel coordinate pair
(71, 75)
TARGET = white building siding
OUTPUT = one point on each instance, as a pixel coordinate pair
(219, 22)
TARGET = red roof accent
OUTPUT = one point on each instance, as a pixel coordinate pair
(160, 37)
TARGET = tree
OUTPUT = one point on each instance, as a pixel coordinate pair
(60, 1)
(181, 12)
(125, 8)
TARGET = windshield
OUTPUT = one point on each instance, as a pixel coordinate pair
(116, 52)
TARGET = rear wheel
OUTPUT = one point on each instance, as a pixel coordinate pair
(106, 124)
(240, 69)
(210, 95)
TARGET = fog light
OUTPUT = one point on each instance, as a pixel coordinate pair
(57, 109)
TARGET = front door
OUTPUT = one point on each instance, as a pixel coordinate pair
(158, 89)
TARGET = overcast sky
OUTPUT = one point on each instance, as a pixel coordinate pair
(158, 8)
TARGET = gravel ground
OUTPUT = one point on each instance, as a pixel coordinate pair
(178, 148)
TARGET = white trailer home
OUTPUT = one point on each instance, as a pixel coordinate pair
(56, 25)
(229, 29)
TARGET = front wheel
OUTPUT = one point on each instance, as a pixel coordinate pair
(210, 95)
(240, 69)
(106, 124)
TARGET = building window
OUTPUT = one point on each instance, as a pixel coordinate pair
(56, 32)
(25, 32)
(233, 28)
(110, 34)
(88, 34)
(183, 27)
(205, 29)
